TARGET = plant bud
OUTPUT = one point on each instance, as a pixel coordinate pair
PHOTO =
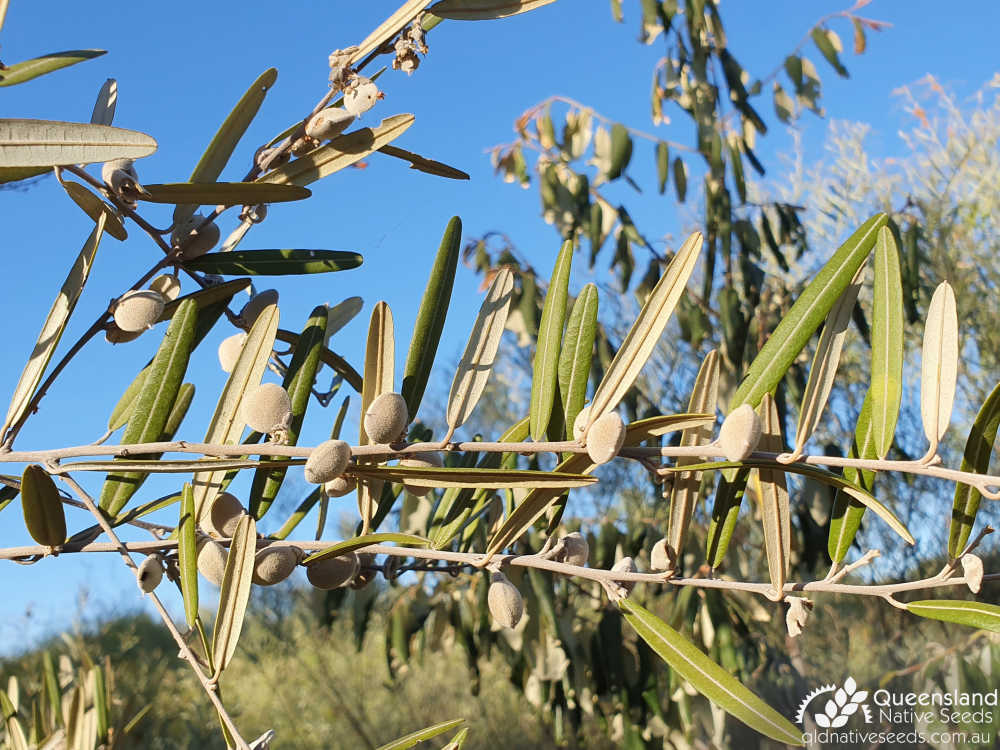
(580, 423)
(366, 571)
(740, 433)
(426, 459)
(386, 418)
(273, 565)
(195, 242)
(138, 310)
(327, 461)
(267, 408)
(328, 123)
(625, 565)
(252, 309)
(212, 560)
(505, 601)
(332, 572)
(360, 96)
(576, 551)
(150, 573)
(605, 438)
(167, 286)
(230, 350)
(223, 516)
(340, 486)
(660, 557)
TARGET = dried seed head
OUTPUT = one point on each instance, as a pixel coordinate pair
(425, 459)
(150, 573)
(304, 145)
(212, 560)
(360, 95)
(740, 433)
(797, 614)
(273, 565)
(116, 335)
(223, 516)
(625, 565)
(257, 304)
(505, 601)
(327, 461)
(580, 423)
(167, 285)
(406, 58)
(576, 551)
(195, 242)
(138, 310)
(366, 571)
(340, 486)
(386, 418)
(267, 408)
(328, 123)
(333, 572)
(230, 349)
(340, 68)
(605, 438)
(660, 557)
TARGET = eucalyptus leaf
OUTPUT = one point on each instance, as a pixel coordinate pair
(577, 354)
(26, 70)
(974, 614)
(887, 342)
(274, 262)
(49, 143)
(548, 344)
(187, 555)
(234, 594)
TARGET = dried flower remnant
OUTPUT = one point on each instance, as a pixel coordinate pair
(386, 418)
(268, 409)
(138, 310)
(740, 433)
(340, 66)
(333, 572)
(327, 461)
(972, 567)
(505, 601)
(410, 42)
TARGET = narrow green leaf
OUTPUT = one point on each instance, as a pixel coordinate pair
(845, 519)
(48, 143)
(978, 450)
(662, 165)
(410, 740)
(772, 494)
(234, 594)
(340, 315)
(7, 495)
(14, 174)
(342, 548)
(545, 375)
(422, 164)
(334, 360)
(100, 698)
(104, 106)
(473, 477)
(94, 207)
(52, 328)
(939, 370)
(576, 355)
(3, 11)
(680, 179)
(39, 66)
(458, 741)
(824, 40)
(274, 262)
(483, 10)
(887, 342)
(187, 554)
(223, 193)
(974, 614)
(15, 732)
(725, 511)
(44, 516)
(53, 695)
(380, 363)
(431, 317)
(298, 514)
(707, 677)
(204, 298)
(621, 151)
(644, 429)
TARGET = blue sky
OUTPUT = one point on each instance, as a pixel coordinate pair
(181, 67)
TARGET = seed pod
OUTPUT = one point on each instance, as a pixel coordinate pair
(366, 571)
(167, 286)
(580, 423)
(625, 565)
(505, 601)
(304, 145)
(44, 515)
(273, 565)
(327, 461)
(797, 615)
(116, 335)
(224, 515)
(972, 567)
(360, 96)
(576, 551)
(267, 408)
(605, 438)
(386, 418)
(328, 123)
(426, 459)
(740, 433)
(150, 573)
(193, 241)
(660, 556)
(333, 572)
(121, 177)
(212, 560)
(340, 486)
(230, 349)
(138, 310)
(252, 309)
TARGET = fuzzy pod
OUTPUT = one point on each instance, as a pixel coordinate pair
(580, 423)
(327, 461)
(386, 418)
(267, 408)
(212, 560)
(340, 486)
(605, 438)
(121, 177)
(138, 310)
(150, 573)
(328, 123)
(424, 460)
(360, 96)
(193, 241)
(333, 572)
(740, 433)
(505, 601)
(257, 304)
(660, 556)
(223, 516)
(230, 349)
(366, 571)
(576, 550)
(625, 565)
(273, 565)
(167, 286)
(303, 145)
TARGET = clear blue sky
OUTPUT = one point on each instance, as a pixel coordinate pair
(180, 68)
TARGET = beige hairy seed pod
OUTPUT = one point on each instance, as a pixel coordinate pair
(328, 123)
(625, 565)
(659, 556)
(267, 408)
(576, 551)
(138, 310)
(740, 433)
(195, 242)
(327, 461)
(360, 96)
(424, 460)
(230, 349)
(150, 573)
(223, 516)
(333, 572)
(273, 565)
(256, 305)
(605, 438)
(505, 601)
(386, 418)
(340, 486)
(121, 177)
(167, 286)
(303, 145)
(580, 423)
(212, 560)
